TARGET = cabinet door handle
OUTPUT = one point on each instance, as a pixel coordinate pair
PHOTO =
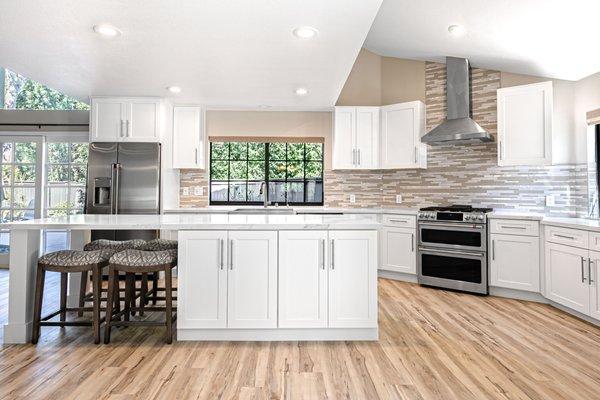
(359, 162)
(221, 253)
(196, 155)
(412, 242)
(582, 270)
(121, 128)
(127, 125)
(332, 254)
(353, 157)
(416, 150)
(493, 250)
(500, 147)
(564, 237)
(231, 254)
(590, 280)
(322, 248)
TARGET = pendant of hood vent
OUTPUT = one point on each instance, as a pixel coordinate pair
(459, 127)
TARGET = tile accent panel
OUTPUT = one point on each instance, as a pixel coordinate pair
(465, 173)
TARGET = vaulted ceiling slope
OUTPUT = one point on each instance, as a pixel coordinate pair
(220, 52)
(550, 38)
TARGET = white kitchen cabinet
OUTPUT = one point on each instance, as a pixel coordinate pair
(402, 126)
(188, 137)
(566, 276)
(356, 138)
(352, 279)
(202, 273)
(515, 262)
(525, 124)
(398, 250)
(252, 279)
(303, 279)
(125, 119)
(593, 274)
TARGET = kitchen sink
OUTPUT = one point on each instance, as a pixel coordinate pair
(266, 211)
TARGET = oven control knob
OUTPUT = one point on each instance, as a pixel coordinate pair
(420, 215)
(467, 217)
(480, 217)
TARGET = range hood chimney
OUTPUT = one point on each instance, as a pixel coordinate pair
(459, 126)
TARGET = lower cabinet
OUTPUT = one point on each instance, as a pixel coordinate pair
(255, 280)
(567, 276)
(398, 247)
(515, 262)
(594, 273)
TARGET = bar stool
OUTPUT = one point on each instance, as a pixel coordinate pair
(103, 244)
(134, 262)
(155, 245)
(68, 261)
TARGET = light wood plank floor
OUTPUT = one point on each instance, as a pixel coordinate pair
(433, 344)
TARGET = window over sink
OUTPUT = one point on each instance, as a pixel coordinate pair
(243, 172)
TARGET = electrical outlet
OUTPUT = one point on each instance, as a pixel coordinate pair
(352, 198)
(186, 191)
(550, 200)
(198, 191)
(398, 199)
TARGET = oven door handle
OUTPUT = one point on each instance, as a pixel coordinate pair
(461, 253)
(461, 226)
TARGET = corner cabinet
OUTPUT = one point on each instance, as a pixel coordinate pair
(188, 137)
(525, 124)
(402, 126)
(356, 138)
(117, 119)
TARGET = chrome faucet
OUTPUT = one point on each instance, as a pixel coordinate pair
(262, 191)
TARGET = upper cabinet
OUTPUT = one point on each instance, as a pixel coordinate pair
(402, 126)
(386, 137)
(188, 137)
(118, 119)
(356, 138)
(525, 124)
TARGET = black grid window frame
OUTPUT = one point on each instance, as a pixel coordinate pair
(267, 180)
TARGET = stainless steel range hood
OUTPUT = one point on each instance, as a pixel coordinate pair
(459, 126)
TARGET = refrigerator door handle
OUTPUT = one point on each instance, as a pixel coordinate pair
(115, 186)
(113, 178)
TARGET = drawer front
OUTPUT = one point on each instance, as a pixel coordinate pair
(515, 227)
(594, 241)
(400, 221)
(570, 237)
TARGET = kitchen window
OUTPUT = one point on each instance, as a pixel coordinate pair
(243, 172)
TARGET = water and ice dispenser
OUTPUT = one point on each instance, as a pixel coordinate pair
(102, 187)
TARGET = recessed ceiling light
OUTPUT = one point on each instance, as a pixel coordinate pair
(301, 91)
(305, 32)
(106, 30)
(174, 89)
(456, 30)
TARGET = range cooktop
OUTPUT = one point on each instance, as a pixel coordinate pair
(457, 208)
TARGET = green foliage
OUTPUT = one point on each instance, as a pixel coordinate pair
(25, 94)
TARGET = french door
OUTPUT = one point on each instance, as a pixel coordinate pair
(20, 183)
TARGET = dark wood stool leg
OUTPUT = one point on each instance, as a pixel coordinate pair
(154, 287)
(82, 292)
(143, 292)
(168, 305)
(110, 300)
(37, 306)
(63, 296)
(128, 294)
(96, 286)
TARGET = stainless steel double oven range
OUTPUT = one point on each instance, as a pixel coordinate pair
(452, 248)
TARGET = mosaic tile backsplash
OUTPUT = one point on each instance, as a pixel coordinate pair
(463, 174)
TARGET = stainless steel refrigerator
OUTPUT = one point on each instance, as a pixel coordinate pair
(123, 178)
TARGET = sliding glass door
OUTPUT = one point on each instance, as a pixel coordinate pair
(20, 183)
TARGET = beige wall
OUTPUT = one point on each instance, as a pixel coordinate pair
(272, 123)
(402, 80)
(363, 86)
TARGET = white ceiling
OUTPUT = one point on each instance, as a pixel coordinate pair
(220, 52)
(549, 38)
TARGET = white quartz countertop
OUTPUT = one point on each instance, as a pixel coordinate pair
(301, 210)
(522, 215)
(202, 222)
(577, 223)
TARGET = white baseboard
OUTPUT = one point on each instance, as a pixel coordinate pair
(517, 294)
(397, 276)
(261, 335)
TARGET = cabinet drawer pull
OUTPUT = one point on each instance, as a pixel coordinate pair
(512, 227)
(564, 236)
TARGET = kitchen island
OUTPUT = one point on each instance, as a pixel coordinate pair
(240, 277)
